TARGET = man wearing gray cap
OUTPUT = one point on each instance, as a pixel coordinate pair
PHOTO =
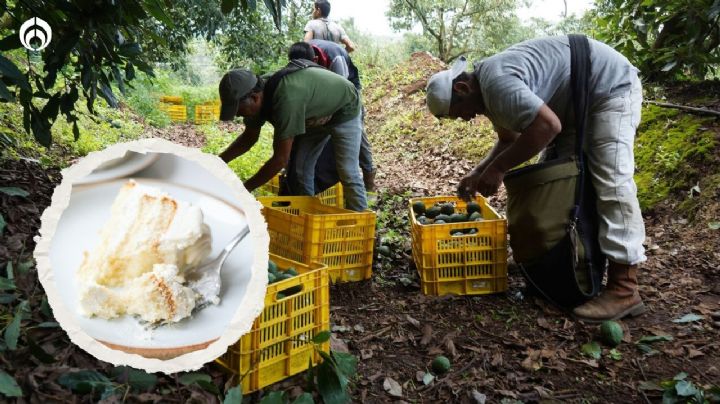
(305, 107)
(525, 92)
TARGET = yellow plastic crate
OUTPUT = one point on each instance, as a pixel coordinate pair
(171, 99)
(177, 113)
(469, 264)
(303, 229)
(332, 196)
(279, 344)
(206, 113)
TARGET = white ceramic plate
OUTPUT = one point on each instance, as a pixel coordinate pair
(78, 231)
(129, 164)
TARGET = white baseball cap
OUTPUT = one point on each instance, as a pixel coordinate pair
(439, 88)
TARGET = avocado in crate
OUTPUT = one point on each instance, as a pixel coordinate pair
(458, 248)
(279, 345)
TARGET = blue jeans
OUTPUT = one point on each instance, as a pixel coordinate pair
(346, 139)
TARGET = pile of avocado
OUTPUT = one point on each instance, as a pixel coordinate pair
(441, 213)
(276, 275)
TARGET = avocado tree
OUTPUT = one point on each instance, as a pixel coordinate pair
(97, 45)
(664, 38)
(457, 27)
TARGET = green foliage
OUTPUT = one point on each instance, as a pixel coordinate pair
(101, 44)
(681, 390)
(8, 385)
(218, 139)
(669, 148)
(664, 38)
(457, 27)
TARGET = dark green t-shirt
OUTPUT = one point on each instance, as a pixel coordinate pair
(308, 99)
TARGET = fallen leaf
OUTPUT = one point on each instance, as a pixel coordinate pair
(419, 375)
(428, 378)
(479, 398)
(392, 387)
(340, 328)
(592, 349)
(497, 359)
(427, 334)
(545, 394)
(649, 339)
(507, 393)
(533, 361)
(450, 345)
(543, 323)
(694, 353)
(338, 345)
(688, 318)
(359, 328)
(366, 353)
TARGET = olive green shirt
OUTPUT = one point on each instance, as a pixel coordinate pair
(309, 99)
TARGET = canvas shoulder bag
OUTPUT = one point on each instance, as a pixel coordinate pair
(551, 210)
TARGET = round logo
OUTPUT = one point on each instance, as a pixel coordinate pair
(33, 31)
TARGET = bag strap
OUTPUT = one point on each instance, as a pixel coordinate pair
(273, 82)
(580, 88)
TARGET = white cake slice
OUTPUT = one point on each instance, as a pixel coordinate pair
(146, 246)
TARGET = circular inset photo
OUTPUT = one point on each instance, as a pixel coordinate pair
(153, 255)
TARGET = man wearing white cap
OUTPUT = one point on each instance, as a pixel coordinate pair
(306, 107)
(525, 92)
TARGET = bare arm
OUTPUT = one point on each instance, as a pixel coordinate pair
(510, 150)
(242, 144)
(308, 36)
(533, 140)
(278, 161)
(349, 45)
(505, 139)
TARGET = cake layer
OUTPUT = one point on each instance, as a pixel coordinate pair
(146, 227)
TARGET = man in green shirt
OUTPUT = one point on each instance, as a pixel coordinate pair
(307, 108)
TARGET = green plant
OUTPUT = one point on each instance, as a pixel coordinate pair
(664, 38)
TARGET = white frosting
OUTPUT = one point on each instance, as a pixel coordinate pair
(146, 246)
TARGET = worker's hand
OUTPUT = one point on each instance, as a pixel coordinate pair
(485, 183)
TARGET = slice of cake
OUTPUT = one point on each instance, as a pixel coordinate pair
(159, 296)
(145, 247)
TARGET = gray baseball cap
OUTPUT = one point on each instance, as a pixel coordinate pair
(234, 86)
(439, 88)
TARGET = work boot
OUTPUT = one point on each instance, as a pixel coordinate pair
(619, 299)
(369, 180)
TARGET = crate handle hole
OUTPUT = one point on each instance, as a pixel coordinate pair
(345, 223)
(281, 204)
(289, 292)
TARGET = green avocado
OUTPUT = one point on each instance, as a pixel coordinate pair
(439, 221)
(611, 332)
(418, 207)
(422, 220)
(445, 218)
(456, 232)
(272, 267)
(447, 209)
(458, 218)
(474, 216)
(440, 365)
(271, 278)
(473, 207)
(291, 271)
(433, 212)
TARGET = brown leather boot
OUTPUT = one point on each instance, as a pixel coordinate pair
(369, 180)
(619, 299)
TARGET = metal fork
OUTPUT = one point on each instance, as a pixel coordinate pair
(205, 279)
